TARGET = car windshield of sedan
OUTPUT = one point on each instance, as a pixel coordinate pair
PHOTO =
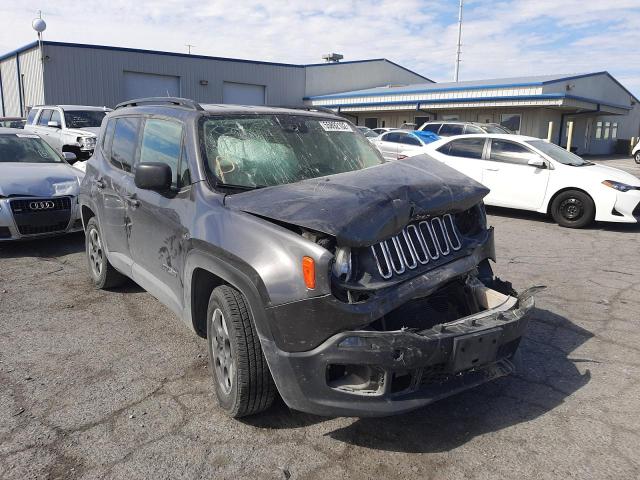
(253, 151)
(83, 118)
(26, 148)
(559, 154)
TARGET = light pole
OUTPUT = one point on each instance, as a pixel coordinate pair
(458, 51)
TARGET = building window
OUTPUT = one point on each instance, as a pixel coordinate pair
(371, 122)
(614, 131)
(511, 121)
(607, 126)
(451, 118)
(598, 130)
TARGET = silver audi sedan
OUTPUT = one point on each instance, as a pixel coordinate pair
(38, 188)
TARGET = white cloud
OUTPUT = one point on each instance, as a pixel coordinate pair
(500, 38)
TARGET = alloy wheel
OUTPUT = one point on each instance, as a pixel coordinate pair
(96, 253)
(223, 361)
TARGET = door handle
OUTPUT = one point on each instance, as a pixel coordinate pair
(99, 184)
(492, 169)
(132, 200)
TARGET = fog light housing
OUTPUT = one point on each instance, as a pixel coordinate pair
(342, 264)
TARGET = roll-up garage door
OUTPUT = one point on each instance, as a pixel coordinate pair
(243, 93)
(139, 85)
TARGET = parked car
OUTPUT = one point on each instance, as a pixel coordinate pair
(351, 285)
(12, 122)
(532, 174)
(381, 130)
(367, 132)
(635, 153)
(67, 128)
(400, 144)
(38, 188)
(451, 128)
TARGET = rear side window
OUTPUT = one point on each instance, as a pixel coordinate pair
(510, 152)
(32, 115)
(44, 118)
(162, 142)
(466, 147)
(108, 138)
(125, 141)
(450, 129)
(432, 127)
(473, 129)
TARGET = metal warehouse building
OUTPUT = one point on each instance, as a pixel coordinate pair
(376, 93)
(600, 108)
(104, 76)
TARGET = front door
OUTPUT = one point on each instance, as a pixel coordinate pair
(158, 237)
(512, 181)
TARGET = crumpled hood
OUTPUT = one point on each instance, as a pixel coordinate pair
(38, 179)
(363, 207)
(83, 132)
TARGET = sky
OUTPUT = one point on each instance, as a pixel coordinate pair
(499, 38)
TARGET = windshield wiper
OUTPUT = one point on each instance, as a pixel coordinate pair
(239, 187)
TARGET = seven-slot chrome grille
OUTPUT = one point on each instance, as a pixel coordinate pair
(418, 244)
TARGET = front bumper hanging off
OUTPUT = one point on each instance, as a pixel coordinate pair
(378, 373)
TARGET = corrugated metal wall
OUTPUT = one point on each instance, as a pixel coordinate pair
(11, 94)
(344, 77)
(29, 80)
(92, 76)
(31, 70)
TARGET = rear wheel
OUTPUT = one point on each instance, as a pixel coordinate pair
(636, 157)
(573, 209)
(101, 271)
(241, 376)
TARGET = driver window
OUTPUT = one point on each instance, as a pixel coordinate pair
(44, 118)
(162, 142)
(510, 152)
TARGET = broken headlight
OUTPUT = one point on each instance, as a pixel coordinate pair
(473, 220)
(342, 266)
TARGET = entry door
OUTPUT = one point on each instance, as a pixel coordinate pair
(157, 235)
(512, 181)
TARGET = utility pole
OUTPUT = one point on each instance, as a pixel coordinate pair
(458, 51)
(188, 45)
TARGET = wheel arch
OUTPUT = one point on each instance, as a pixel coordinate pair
(86, 214)
(204, 272)
(567, 189)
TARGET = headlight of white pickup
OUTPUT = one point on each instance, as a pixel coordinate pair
(87, 143)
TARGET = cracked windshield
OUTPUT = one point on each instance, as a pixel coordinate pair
(267, 150)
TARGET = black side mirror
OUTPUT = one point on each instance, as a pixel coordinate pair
(153, 176)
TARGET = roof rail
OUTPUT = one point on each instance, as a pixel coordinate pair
(310, 108)
(180, 102)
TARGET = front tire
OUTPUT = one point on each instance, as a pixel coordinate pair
(636, 157)
(573, 209)
(242, 379)
(101, 271)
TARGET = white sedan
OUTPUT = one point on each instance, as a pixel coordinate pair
(532, 174)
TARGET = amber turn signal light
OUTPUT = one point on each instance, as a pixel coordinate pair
(309, 272)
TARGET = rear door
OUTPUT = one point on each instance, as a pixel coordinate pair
(158, 238)
(513, 182)
(388, 145)
(465, 155)
(113, 183)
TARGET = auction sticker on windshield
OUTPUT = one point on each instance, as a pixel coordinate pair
(335, 126)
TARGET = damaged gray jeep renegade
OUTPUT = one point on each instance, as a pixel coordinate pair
(313, 268)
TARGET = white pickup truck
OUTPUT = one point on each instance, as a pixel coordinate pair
(67, 128)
